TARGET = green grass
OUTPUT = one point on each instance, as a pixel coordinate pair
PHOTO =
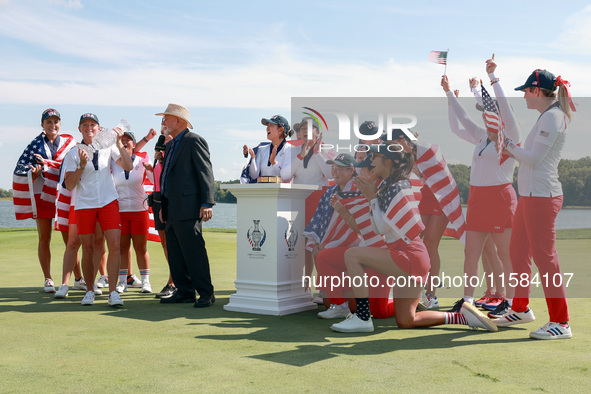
(58, 345)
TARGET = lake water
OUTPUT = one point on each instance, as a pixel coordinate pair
(224, 216)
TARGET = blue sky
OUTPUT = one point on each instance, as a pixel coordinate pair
(233, 62)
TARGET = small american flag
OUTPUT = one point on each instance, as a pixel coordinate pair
(439, 57)
(358, 206)
(493, 121)
(22, 181)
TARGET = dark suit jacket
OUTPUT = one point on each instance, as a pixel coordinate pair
(190, 180)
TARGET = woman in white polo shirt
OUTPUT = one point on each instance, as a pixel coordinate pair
(540, 191)
(89, 171)
(133, 209)
(492, 201)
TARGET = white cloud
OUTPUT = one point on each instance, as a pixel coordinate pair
(74, 4)
(576, 36)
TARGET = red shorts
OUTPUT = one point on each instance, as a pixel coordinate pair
(412, 258)
(135, 223)
(107, 217)
(491, 208)
(72, 216)
(45, 210)
(429, 204)
(312, 203)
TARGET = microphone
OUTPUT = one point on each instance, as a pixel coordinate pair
(160, 145)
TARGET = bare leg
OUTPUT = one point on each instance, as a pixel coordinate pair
(434, 228)
(473, 250)
(489, 254)
(113, 237)
(43, 248)
(71, 261)
(502, 241)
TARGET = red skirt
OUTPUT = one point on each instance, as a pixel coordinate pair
(429, 204)
(491, 208)
(412, 258)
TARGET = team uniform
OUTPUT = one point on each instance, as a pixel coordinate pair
(261, 166)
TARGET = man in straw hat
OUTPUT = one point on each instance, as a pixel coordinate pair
(187, 188)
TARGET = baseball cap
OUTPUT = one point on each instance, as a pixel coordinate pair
(304, 121)
(88, 116)
(539, 78)
(364, 163)
(393, 154)
(343, 160)
(278, 120)
(48, 113)
(368, 128)
(130, 135)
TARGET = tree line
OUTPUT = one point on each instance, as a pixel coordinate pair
(575, 176)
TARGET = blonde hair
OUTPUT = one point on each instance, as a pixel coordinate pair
(562, 96)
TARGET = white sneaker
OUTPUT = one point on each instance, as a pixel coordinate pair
(476, 319)
(97, 291)
(88, 298)
(134, 281)
(48, 286)
(146, 287)
(335, 311)
(433, 302)
(79, 284)
(511, 318)
(62, 292)
(103, 281)
(115, 299)
(552, 330)
(353, 324)
(121, 287)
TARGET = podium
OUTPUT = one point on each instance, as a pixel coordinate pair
(270, 249)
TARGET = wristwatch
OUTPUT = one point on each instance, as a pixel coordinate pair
(79, 167)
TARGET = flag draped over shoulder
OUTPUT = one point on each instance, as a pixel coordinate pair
(327, 227)
(493, 121)
(148, 189)
(439, 57)
(22, 180)
(438, 178)
(358, 206)
(401, 210)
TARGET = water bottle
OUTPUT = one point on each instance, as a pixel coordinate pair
(107, 137)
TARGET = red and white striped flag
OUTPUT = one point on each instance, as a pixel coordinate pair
(439, 57)
(494, 122)
(149, 188)
(402, 210)
(22, 181)
(439, 179)
(359, 208)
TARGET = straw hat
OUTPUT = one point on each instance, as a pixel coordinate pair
(179, 111)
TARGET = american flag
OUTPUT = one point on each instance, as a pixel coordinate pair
(493, 121)
(401, 210)
(22, 180)
(63, 201)
(439, 57)
(149, 188)
(439, 179)
(358, 206)
(327, 227)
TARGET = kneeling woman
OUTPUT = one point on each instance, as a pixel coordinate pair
(394, 214)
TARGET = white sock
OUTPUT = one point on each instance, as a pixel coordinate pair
(123, 276)
(469, 299)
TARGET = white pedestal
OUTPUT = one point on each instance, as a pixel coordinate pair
(270, 249)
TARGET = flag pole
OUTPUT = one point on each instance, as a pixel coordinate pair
(445, 69)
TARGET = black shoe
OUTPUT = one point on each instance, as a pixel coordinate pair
(178, 298)
(502, 309)
(457, 306)
(166, 291)
(204, 302)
